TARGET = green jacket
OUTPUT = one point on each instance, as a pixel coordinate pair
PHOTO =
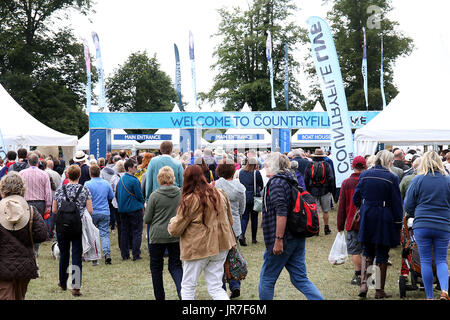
(161, 207)
(404, 185)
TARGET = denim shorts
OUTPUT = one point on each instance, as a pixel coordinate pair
(353, 246)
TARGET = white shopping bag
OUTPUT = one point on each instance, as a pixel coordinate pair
(338, 253)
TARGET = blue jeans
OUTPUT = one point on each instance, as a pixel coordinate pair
(101, 221)
(429, 240)
(157, 265)
(293, 259)
(77, 251)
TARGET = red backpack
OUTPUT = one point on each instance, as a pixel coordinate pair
(303, 215)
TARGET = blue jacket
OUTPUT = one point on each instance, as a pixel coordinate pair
(151, 182)
(378, 195)
(428, 201)
(101, 192)
(302, 164)
(125, 201)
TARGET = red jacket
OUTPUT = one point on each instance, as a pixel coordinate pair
(347, 208)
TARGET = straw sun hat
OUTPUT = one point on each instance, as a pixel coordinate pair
(14, 213)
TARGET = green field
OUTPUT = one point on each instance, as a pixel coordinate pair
(129, 280)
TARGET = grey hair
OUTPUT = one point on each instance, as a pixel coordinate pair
(294, 164)
(12, 184)
(33, 159)
(299, 152)
(277, 162)
(384, 158)
(417, 163)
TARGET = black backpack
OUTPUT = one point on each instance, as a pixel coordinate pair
(318, 176)
(68, 219)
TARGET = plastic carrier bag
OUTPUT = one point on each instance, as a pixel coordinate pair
(338, 253)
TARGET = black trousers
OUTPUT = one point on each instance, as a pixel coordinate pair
(131, 224)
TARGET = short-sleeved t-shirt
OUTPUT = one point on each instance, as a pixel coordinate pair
(72, 189)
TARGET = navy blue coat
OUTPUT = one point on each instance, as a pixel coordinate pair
(378, 196)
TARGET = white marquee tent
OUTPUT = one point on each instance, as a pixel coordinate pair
(266, 142)
(310, 133)
(420, 113)
(20, 129)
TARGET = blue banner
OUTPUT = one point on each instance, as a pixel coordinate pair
(382, 76)
(162, 137)
(215, 137)
(226, 120)
(286, 76)
(314, 137)
(364, 70)
(269, 60)
(330, 77)
(99, 142)
(101, 78)
(192, 56)
(87, 58)
(178, 76)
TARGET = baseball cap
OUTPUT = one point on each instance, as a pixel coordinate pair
(359, 160)
(409, 157)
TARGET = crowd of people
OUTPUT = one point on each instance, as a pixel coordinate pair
(197, 206)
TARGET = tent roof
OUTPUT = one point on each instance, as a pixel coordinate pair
(420, 112)
(19, 128)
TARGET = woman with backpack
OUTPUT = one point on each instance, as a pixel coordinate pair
(81, 196)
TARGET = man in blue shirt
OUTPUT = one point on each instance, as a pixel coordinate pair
(101, 192)
(130, 201)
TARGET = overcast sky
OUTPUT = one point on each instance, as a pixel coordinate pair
(128, 26)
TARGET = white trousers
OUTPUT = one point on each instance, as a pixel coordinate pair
(213, 268)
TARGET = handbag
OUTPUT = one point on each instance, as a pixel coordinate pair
(355, 222)
(257, 201)
(235, 267)
(31, 237)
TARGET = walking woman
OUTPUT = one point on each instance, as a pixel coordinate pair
(236, 193)
(252, 180)
(204, 225)
(81, 195)
(378, 195)
(20, 228)
(161, 207)
(428, 201)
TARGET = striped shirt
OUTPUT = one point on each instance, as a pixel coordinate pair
(38, 185)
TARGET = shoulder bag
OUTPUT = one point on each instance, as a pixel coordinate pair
(257, 201)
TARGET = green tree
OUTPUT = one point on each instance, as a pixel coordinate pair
(139, 85)
(241, 64)
(347, 19)
(43, 66)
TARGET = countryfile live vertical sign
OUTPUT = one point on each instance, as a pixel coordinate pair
(330, 77)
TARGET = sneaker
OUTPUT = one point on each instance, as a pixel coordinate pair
(242, 241)
(137, 258)
(254, 241)
(235, 293)
(107, 259)
(356, 281)
(444, 296)
(327, 230)
(95, 263)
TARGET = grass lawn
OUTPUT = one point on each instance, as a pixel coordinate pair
(129, 280)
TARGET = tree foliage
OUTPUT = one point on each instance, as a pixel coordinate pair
(241, 65)
(42, 66)
(139, 85)
(347, 19)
